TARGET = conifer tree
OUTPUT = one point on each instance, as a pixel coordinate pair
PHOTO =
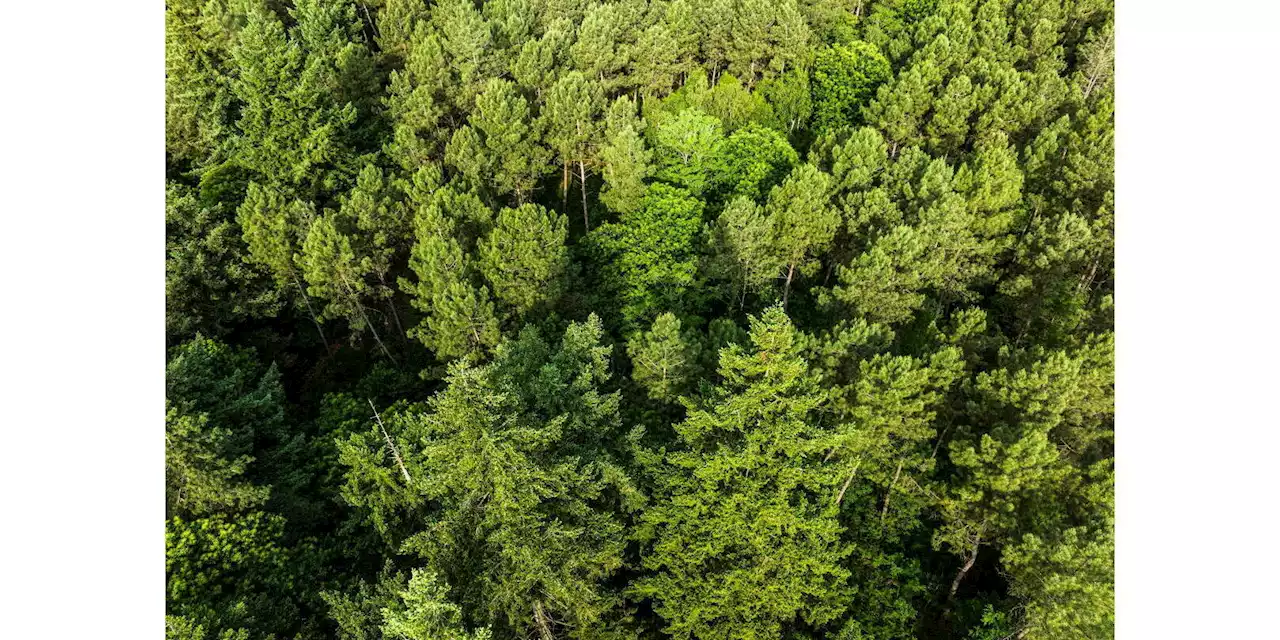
(568, 117)
(740, 250)
(423, 612)
(802, 221)
(737, 546)
(503, 142)
(663, 359)
(524, 258)
(627, 164)
(291, 130)
(335, 274)
(516, 453)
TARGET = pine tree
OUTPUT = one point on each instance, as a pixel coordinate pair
(802, 221)
(568, 117)
(740, 250)
(291, 130)
(506, 144)
(335, 274)
(627, 164)
(663, 359)
(524, 258)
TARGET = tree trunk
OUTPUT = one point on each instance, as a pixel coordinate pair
(395, 315)
(888, 494)
(376, 338)
(368, 323)
(582, 175)
(564, 187)
(848, 481)
(395, 453)
(786, 291)
(964, 569)
(310, 310)
(541, 621)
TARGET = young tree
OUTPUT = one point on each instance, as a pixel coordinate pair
(663, 359)
(736, 545)
(422, 611)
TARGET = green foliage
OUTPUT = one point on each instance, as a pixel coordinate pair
(750, 162)
(1068, 584)
(685, 147)
(209, 283)
(516, 453)
(736, 546)
(224, 573)
(422, 612)
(524, 257)
(663, 359)
(845, 77)
(506, 424)
(652, 254)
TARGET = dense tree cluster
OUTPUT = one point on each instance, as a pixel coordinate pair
(624, 319)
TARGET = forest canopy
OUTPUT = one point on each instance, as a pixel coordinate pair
(639, 319)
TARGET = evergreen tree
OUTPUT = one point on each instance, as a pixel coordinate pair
(663, 359)
(737, 546)
(524, 257)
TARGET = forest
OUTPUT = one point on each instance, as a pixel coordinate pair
(639, 319)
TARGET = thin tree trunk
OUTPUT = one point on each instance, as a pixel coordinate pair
(888, 494)
(310, 310)
(786, 291)
(368, 323)
(376, 338)
(564, 187)
(395, 453)
(848, 481)
(541, 621)
(964, 569)
(582, 175)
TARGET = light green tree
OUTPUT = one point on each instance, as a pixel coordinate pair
(664, 359)
(736, 546)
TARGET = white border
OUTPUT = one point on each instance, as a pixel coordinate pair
(1198, 218)
(82, 320)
